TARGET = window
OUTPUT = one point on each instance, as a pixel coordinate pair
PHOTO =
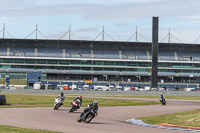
(52, 61)
(66, 62)
(30, 61)
(120, 63)
(108, 63)
(8, 60)
(98, 63)
(41, 61)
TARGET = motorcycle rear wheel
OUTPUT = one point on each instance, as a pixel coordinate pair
(164, 103)
(79, 119)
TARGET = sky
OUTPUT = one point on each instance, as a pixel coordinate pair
(88, 17)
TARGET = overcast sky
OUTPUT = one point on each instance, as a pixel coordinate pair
(87, 17)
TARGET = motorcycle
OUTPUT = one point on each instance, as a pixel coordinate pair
(74, 105)
(162, 101)
(57, 103)
(87, 116)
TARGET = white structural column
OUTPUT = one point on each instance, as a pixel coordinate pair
(35, 52)
(175, 55)
(120, 54)
(92, 54)
(63, 53)
(148, 55)
(8, 51)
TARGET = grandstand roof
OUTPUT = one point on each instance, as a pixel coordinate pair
(87, 44)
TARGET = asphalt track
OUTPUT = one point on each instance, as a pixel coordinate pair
(109, 119)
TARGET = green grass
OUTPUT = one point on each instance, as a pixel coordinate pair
(117, 102)
(29, 100)
(183, 97)
(188, 118)
(151, 97)
(9, 129)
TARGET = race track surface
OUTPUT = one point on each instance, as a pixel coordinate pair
(109, 119)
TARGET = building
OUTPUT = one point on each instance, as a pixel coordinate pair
(109, 61)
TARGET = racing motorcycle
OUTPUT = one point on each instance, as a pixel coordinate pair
(74, 105)
(87, 116)
(57, 103)
(162, 101)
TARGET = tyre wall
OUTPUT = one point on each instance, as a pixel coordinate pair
(2, 100)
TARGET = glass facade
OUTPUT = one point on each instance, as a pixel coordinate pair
(94, 65)
(13, 75)
(100, 66)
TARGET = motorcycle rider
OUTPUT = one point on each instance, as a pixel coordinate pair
(62, 97)
(162, 96)
(92, 105)
(80, 98)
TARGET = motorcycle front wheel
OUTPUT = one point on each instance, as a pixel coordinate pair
(56, 107)
(89, 118)
(71, 110)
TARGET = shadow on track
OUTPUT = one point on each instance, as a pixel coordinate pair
(75, 112)
(98, 123)
(62, 110)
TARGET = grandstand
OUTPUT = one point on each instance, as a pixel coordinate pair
(109, 61)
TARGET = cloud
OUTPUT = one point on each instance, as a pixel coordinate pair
(179, 14)
(51, 10)
(167, 8)
(87, 29)
(123, 24)
(145, 10)
(17, 4)
(194, 19)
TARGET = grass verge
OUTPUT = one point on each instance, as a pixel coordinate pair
(20, 100)
(188, 118)
(116, 96)
(10, 129)
(150, 97)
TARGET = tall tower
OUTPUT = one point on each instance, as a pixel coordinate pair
(154, 49)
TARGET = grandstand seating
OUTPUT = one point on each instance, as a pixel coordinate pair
(166, 55)
(99, 53)
(49, 52)
(3, 51)
(77, 53)
(106, 54)
(134, 54)
(85, 53)
(22, 51)
(188, 56)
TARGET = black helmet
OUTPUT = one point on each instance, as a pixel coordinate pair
(95, 103)
(62, 94)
